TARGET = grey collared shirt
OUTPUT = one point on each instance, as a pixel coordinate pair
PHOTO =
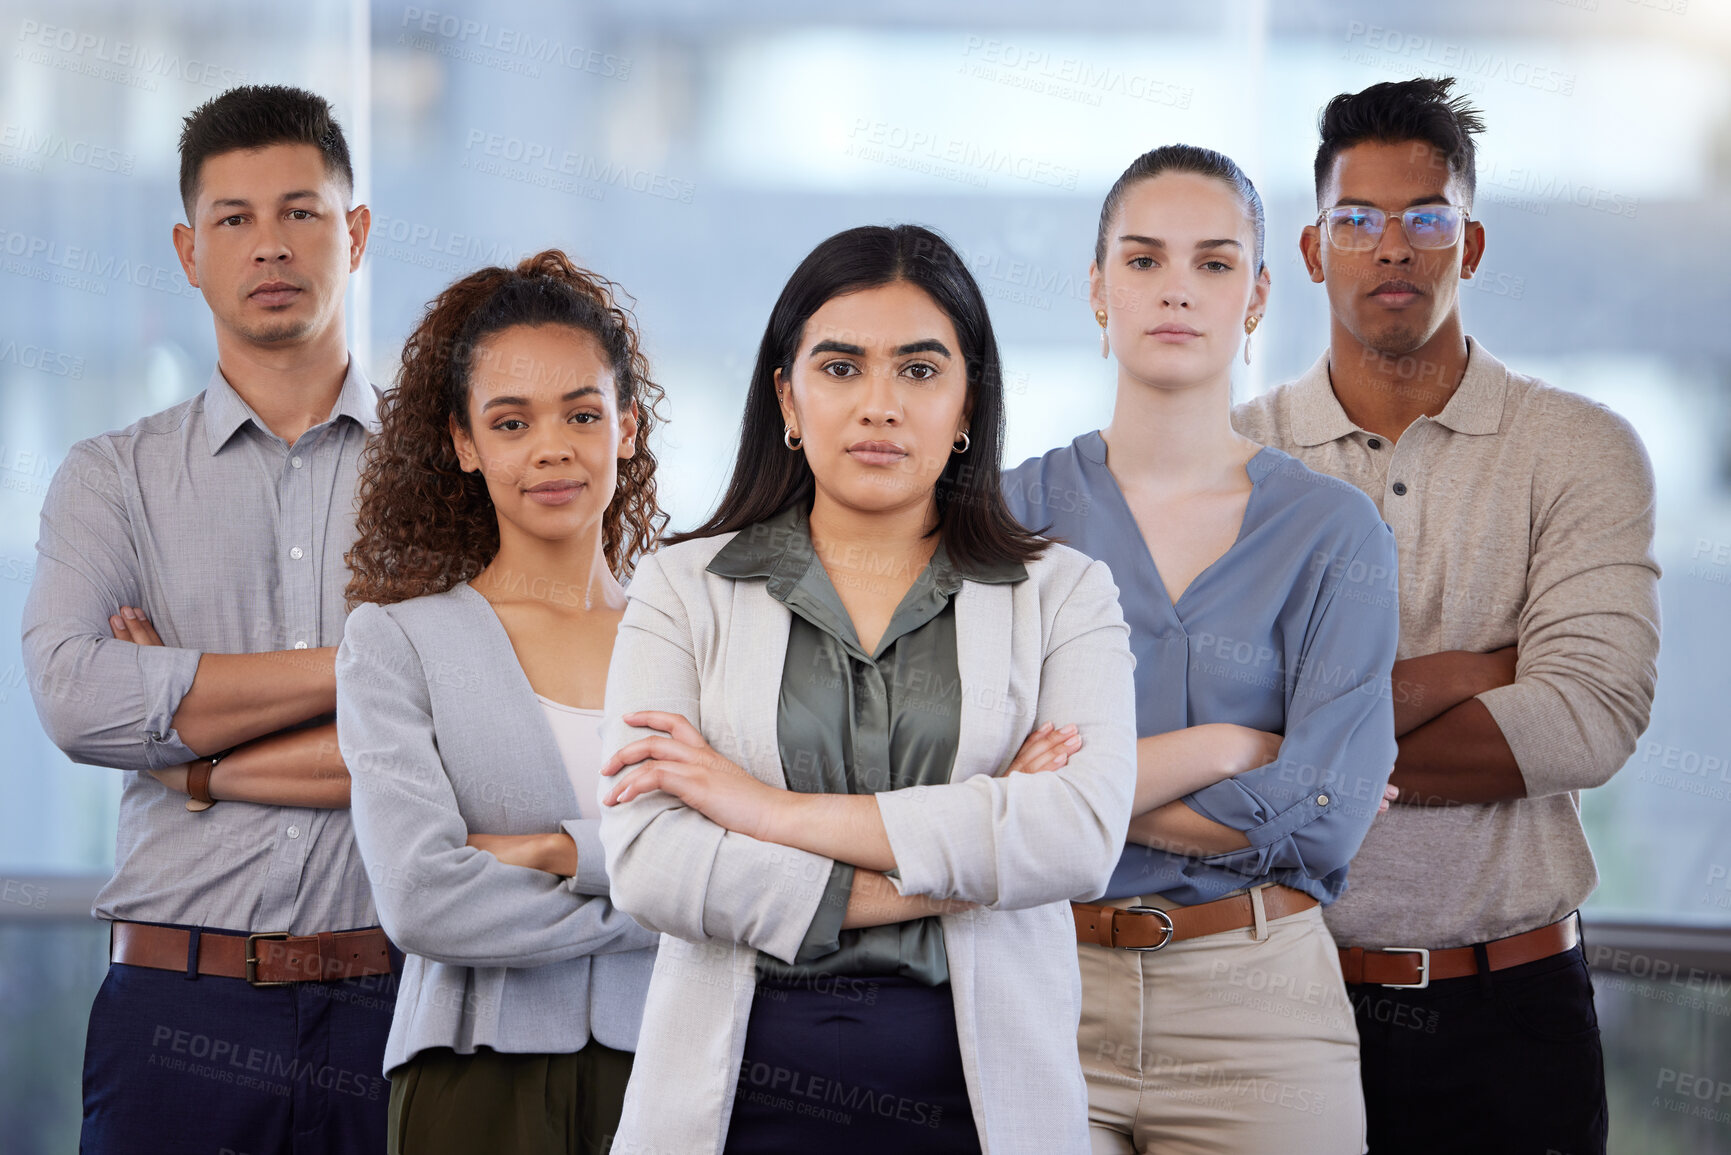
(231, 541)
(1524, 516)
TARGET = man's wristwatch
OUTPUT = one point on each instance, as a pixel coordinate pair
(198, 782)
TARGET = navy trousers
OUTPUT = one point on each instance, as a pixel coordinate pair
(217, 1066)
(844, 1065)
(1502, 1063)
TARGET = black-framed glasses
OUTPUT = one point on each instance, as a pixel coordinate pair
(1359, 227)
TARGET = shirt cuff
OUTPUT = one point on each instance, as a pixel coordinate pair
(823, 937)
(591, 876)
(1541, 733)
(166, 673)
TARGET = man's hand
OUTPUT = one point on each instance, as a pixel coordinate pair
(130, 625)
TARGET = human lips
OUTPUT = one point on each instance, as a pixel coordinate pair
(876, 452)
(1396, 293)
(1174, 333)
(556, 492)
(273, 294)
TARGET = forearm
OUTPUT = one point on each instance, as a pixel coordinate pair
(291, 768)
(1176, 763)
(845, 827)
(1459, 757)
(1430, 685)
(236, 698)
(874, 901)
(1176, 828)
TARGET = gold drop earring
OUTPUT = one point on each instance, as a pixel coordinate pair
(1105, 346)
(1250, 324)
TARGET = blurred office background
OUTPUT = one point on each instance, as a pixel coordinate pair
(695, 151)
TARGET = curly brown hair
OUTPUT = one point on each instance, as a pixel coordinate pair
(424, 524)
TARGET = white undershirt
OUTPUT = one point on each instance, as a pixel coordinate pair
(578, 734)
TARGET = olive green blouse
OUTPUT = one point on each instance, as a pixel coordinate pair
(850, 722)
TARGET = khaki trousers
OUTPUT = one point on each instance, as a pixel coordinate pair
(1239, 1043)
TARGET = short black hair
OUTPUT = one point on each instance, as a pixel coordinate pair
(256, 116)
(1189, 158)
(1400, 110)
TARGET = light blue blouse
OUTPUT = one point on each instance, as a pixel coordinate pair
(1292, 630)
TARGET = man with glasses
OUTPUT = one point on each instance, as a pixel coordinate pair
(1528, 648)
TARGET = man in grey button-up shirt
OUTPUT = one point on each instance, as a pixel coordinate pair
(188, 600)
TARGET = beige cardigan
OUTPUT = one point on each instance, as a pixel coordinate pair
(1051, 648)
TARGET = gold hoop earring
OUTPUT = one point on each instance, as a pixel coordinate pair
(1105, 347)
(788, 439)
(1250, 324)
(966, 442)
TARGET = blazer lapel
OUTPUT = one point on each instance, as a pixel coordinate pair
(983, 653)
(514, 702)
(756, 651)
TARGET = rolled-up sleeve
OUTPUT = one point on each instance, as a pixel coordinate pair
(1021, 840)
(1309, 809)
(1588, 645)
(102, 701)
(671, 867)
(437, 896)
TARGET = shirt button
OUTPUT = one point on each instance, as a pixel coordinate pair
(300, 645)
(293, 832)
(1322, 800)
(296, 462)
(296, 551)
(1374, 443)
(1399, 488)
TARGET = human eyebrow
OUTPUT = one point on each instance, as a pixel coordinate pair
(1132, 239)
(929, 345)
(1220, 243)
(576, 393)
(497, 402)
(836, 347)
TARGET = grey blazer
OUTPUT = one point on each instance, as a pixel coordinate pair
(1053, 647)
(443, 737)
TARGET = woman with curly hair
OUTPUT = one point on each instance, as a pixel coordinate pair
(508, 493)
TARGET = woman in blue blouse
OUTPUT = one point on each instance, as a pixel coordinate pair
(1261, 601)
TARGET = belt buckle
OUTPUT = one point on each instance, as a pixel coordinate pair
(252, 958)
(1423, 954)
(1166, 925)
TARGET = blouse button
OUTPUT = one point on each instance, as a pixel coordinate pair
(1399, 488)
(1322, 800)
(1374, 443)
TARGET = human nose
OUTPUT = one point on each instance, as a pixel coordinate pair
(1393, 247)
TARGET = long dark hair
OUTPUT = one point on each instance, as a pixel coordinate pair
(975, 524)
(424, 524)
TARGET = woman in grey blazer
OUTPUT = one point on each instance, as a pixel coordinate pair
(814, 700)
(507, 493)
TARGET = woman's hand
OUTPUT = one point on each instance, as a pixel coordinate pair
(1389, 794)
(683, 764)
(1048, 748)
(554, 853)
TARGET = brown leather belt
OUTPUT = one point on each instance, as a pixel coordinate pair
(266, 959)
(1414, 968)
(1149, 928)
